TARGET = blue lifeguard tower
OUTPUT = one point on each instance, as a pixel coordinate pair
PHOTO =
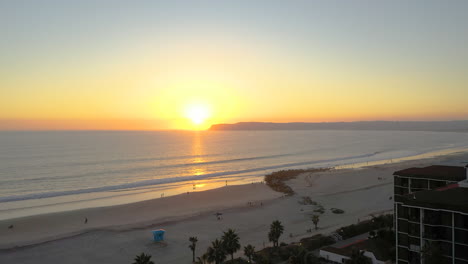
(158, 235)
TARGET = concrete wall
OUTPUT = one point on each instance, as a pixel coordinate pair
(341, 259)
(332, 256)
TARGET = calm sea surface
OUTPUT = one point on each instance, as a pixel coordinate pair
(54, 171)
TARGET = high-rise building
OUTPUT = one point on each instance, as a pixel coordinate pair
(431, 215)
(428, 178)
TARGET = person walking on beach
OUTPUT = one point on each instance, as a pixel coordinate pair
(86, 220)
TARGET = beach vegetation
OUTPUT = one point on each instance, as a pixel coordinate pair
(382, 243)
(249, 252)
(379, 222)
(193, 246)
(300, 255)
(319, 209)
(230, 242)
(306, 200)
(203, 259)
(316, 242)
(262, 258)
(216, 252)
(315, 220)
(143, 259)
(337, 211)
(276, 180)
(276, 230)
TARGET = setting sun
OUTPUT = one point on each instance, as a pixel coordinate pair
(197, 113)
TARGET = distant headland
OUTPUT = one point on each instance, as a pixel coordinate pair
(437, 126)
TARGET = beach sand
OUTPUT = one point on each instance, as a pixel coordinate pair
(116, 234)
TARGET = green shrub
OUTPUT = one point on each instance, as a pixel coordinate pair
(275, 180)
(337, 211)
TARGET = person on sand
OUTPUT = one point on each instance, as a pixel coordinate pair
(86, 220)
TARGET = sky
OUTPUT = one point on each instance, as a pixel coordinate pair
(189, 64)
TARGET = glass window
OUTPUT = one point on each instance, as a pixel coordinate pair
(403, 253)
(403, 239)
(418, 183)
(461, 221)
(446, 218)
(461, 236)
(402, 211)
(461, 252)
(403, 226)
(414, 229)
(414, 214)
(436, 184)
(432, 217)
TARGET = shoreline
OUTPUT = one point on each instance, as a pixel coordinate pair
(98, 216)
(106, 199)
(128, 226)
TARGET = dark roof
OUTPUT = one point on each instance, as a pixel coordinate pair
(449, 173)
(339, 251)
(360, 245)
(455, 199)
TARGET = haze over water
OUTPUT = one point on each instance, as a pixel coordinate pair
(41, 170)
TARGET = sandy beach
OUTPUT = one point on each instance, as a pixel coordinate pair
(116, 234)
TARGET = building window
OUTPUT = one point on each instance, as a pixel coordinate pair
(403, 253)
(461, 236)
(403, 240)
(401, 181)
(461, 221)
(403, 226)
(414, 229)
(446, 218)
(414, 214)
(438, 232)
(400, 190)
(432, 217)
(436, 184)
(461, 252)
(414, 258)
(419, 184)
(402, 211)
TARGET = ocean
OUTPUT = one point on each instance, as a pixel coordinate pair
(48, 171)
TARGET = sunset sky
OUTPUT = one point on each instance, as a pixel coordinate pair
(189, 64)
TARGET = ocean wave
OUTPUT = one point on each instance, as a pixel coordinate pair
(151, 182)
(152, 168)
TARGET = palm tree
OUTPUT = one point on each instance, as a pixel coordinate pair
(297, 256)
(202, 259)
(193, 246)
(231, 242)
(143, 259)
(357, 257)
(276, 229)
(216, 252)
(315, 220)
(249, 251)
